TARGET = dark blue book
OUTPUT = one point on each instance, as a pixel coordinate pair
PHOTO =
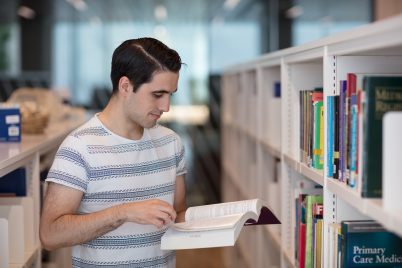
(13, 183)
(368, 244)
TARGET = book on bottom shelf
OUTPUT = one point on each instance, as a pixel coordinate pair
(217, 225)
(368, 244)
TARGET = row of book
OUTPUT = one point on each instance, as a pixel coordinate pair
(363, 243)
(354, 117)
(309, 230)
(312, 128)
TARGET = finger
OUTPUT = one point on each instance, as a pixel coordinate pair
(168, 209)
(166, 218)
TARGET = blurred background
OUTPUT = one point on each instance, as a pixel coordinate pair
(66, 46)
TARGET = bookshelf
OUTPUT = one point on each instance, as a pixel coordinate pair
(261, 136)
(19, 216)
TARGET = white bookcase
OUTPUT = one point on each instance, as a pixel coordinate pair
(19, 216)
(261, 155)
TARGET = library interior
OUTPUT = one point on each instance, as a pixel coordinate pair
(285, 108)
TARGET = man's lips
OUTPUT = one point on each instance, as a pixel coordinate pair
(157, 116)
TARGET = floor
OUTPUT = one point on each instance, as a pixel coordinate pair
(200, 258)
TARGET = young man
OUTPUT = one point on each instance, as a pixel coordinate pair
(117, 182)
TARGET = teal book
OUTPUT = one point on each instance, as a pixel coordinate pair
(382, 94)
(367, 244)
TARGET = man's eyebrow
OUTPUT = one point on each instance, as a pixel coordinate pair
(164, 91)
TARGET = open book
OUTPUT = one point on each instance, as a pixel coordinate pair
(217, 225)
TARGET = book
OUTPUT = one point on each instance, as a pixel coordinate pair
(383, 94)
(368, 244)
(13, 183)
(330, 138)
(310, 201)
(317, 152)
(216, 225)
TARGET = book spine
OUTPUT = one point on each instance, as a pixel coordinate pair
(342, 152)
(353, 141)
(330, 131)
(336, 137)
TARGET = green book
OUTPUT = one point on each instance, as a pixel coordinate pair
(382, 94)
(310, 201)
(317, 145)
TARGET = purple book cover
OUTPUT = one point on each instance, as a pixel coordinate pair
(266, 217)
(342, 148)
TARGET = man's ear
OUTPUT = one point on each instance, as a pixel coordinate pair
(125, 86)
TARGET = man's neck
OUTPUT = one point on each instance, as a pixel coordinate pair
(114, 118)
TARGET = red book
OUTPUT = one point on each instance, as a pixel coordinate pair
(302, 244)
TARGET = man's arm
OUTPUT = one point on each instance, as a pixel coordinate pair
(60, 226)
(180, 198)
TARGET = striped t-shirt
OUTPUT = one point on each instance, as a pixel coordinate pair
(111, 170)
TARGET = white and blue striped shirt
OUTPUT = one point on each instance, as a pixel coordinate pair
(111, 170)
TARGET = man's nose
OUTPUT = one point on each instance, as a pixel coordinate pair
(164, 103)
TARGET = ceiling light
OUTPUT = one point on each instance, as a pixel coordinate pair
(230, 4)
(26, 12)
(294, 12)
(160, 12)
(79, 5)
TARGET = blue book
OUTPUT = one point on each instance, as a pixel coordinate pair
(368, 244)
(353, 140)
(14, 183)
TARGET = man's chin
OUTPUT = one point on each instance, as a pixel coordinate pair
(151, 124)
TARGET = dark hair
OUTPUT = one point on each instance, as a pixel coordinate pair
(139, 59)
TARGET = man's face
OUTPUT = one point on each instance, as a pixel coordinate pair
(145, 106)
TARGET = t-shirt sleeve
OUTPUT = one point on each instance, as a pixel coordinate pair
(180, 159)
(70, 167)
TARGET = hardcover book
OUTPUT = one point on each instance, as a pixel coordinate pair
(382, 94)
(216, 225)
(368, 244)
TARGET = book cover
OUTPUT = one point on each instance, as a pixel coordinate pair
(382, 94)
(368, 244)
(216, 225)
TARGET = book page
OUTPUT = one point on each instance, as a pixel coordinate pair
(222, 222)
(223, 209)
